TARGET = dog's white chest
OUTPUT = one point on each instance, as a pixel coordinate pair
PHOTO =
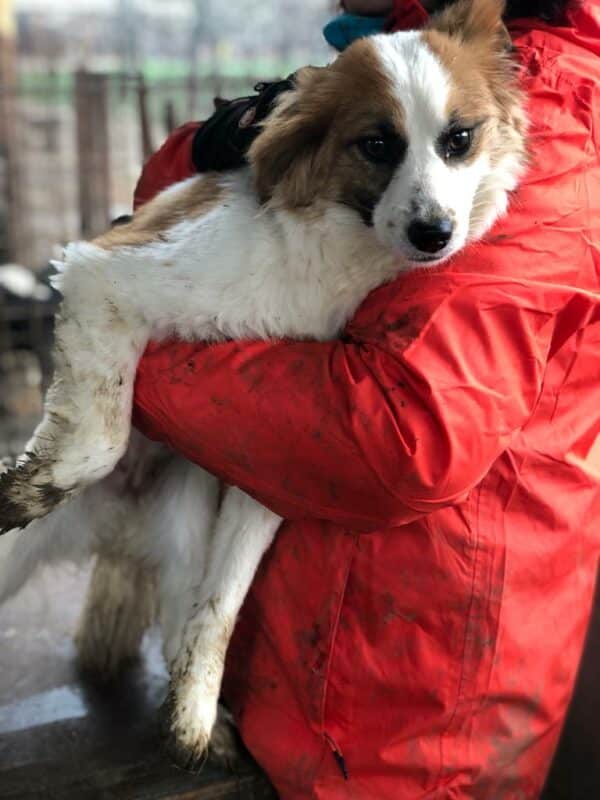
(241, 271)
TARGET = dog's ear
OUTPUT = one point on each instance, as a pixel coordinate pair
(474, 20)
(287, 153)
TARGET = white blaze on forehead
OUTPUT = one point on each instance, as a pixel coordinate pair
(419, 80)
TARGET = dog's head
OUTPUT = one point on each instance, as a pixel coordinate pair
(421, 133)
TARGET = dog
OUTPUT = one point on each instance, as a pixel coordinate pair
(393, 157)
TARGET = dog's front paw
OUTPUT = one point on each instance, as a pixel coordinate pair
(18, 504)
(187, 752)
(187, 726)
(26, 493)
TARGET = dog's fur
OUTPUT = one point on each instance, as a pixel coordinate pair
(352, 157)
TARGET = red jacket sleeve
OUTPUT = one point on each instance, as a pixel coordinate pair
(170, 164)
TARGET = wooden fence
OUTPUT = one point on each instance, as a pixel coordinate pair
(77, 145)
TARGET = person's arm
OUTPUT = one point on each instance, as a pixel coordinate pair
(403, 419)
(172, 163)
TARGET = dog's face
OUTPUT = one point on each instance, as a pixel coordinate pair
(420, 133)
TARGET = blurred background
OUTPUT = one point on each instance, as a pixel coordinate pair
(88, 90)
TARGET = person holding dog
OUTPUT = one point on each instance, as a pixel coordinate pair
(415, 630)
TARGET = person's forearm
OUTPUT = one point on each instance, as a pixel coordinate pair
(370, 434)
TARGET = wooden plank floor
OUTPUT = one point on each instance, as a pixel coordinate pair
(62, 738)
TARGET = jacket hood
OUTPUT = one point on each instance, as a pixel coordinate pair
(582, 27)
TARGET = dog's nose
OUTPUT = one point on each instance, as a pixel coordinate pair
(430, 237)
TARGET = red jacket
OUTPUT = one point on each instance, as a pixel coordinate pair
(422, 611)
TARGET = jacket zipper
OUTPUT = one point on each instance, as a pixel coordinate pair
(338, 755)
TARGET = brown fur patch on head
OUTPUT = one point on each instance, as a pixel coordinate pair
(164, 211)
(307, 149)
(470, 20)
(470, 40)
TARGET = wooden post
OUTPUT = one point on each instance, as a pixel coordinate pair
(91, 108)
(144, 118)
(192, 92)
(169, 116)
(14, 242)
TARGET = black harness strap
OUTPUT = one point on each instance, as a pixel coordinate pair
(222, 142)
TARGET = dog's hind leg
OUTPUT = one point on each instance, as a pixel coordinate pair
(86, 423)
(244, 531)
(120, 606)
(180, 518)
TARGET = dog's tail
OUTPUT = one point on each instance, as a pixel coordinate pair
(121, 599)
(64, 534)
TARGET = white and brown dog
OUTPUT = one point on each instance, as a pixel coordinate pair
(394, 156)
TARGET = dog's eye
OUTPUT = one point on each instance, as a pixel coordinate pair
(458, 143)
(376, 149)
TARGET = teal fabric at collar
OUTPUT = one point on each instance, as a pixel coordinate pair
(345, 28)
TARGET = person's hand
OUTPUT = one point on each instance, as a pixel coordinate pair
(368, 8)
